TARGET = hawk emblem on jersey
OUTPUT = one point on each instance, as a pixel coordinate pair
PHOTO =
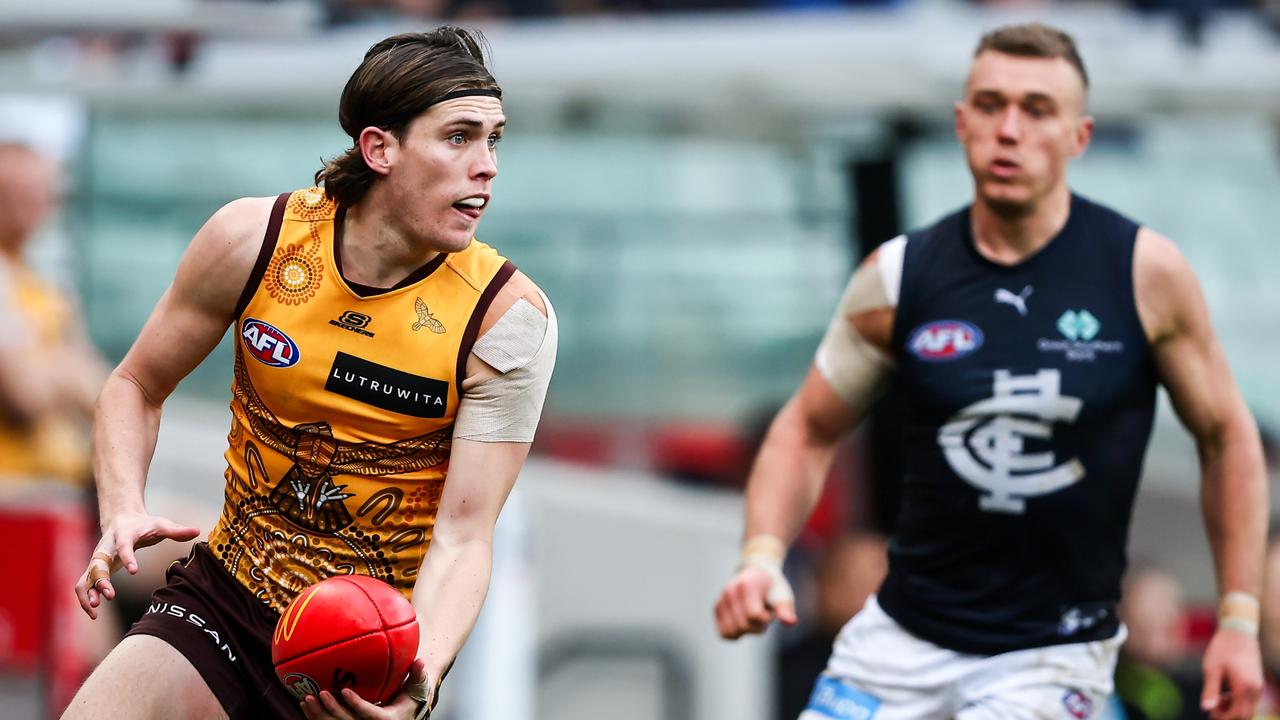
(425, 318)
(985, 443)
(307, 494)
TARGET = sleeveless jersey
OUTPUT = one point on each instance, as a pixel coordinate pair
(342, 407)
(1030, 394)
(54, 446)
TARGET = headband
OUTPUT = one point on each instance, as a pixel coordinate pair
(486, 92)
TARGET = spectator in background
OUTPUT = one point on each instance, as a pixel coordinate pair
(1155, 674)
(49, 372)
(847, 574)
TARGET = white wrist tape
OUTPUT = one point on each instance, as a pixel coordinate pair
(1239, 611)
(767, 553)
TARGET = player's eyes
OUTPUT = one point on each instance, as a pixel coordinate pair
(494, 140)
(458, 138)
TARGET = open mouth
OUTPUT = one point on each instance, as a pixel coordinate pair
(472, 206)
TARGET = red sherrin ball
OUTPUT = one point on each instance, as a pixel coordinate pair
(347, 631)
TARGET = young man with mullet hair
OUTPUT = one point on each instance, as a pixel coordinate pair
(1029, 331)
(389, 375)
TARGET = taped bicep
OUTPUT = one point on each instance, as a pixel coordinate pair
(854, 355)
(506, 406)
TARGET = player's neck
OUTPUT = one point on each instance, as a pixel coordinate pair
(375, 250)
(1010, 238)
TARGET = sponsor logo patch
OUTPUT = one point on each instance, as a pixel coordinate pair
(353, 321)
(1080, 329)
(268, 344)
(837, 700)
(182, 613)
(1078, 704)
(387, 388)
(943, 340)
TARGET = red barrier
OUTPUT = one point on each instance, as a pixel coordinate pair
(41, 624)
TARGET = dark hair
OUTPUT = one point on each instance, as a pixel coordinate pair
(1034, 40)
(399, 78)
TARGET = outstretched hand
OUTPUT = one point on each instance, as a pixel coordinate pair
(403, 706)
(1232, 676)
(751, 600)
(116, 549)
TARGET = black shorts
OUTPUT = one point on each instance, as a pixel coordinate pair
(224, 631)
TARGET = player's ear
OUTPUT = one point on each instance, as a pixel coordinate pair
(959, 112)
(1083, 134)
(379, 148)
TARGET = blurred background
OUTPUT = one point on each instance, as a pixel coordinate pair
(691, 182)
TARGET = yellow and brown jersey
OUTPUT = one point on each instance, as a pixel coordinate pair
(342, 406)
(54, 446)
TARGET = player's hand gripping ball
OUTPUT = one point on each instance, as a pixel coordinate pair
(349, 631)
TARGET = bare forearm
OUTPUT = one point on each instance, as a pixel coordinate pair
(1235, 505)
(787, 477)
(125, 427)
(448, 596)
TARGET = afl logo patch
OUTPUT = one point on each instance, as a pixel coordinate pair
(268, 344)
(944, 340)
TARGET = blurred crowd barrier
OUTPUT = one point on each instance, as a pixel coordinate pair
(692, 192)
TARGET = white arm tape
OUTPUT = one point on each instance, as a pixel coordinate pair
(851, 365)
(767, 552)
(522, 347)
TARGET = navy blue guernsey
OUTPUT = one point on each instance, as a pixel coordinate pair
(1031, 392)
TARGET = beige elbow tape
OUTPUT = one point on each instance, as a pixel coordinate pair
(1239, 611)
(767, 553)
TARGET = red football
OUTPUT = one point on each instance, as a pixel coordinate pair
(349, 631)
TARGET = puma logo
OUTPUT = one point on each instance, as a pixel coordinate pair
(1019, 301)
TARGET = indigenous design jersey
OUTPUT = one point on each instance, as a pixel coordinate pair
(1030, 393)
(56, 444)
(342, 407)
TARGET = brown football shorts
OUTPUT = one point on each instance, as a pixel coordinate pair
(224, 631)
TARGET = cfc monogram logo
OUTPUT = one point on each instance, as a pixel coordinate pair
(985, 442)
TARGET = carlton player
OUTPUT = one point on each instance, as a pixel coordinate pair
(389, 374)
(1029, 331)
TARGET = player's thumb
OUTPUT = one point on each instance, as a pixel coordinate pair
(1212, 688)
(782, 600)
(786, 613)
(174, 531)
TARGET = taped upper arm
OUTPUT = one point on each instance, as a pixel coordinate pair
(855, 355)
(510, 367)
